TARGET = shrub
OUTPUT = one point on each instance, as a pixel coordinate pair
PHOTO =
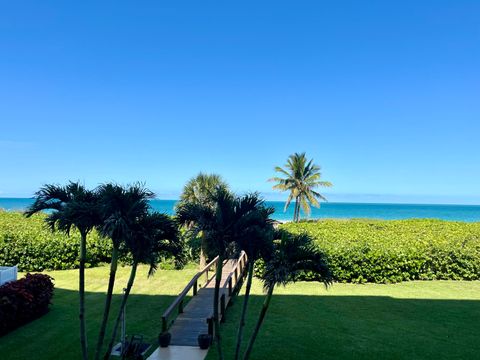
(24, 300)
(386, 251)
(31, 245)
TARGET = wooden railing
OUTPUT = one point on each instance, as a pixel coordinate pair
(233, 282)
(235, 277)
(178, 303)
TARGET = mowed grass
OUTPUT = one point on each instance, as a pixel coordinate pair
(56, 335)
(412, 320)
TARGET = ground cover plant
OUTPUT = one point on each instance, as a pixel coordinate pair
(384, 251)
(410, 320)
(32, 245)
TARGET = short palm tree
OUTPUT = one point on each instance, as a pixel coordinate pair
(255, 237)
(220, 226)
(153, 236)
(292, 256)
(302, 176)
(120, 208)
(199, 190)
(71, 206)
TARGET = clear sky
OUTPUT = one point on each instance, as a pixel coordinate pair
(384, 95)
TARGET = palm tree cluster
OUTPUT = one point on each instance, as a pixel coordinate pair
(120, 213)
(229, 224)
(301, 177)
(226, 224)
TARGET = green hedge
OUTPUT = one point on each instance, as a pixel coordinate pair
(392, 251)
(29, 244)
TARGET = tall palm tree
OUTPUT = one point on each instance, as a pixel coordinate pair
(292, 256)
(302, 176)
(120, 208)
(71, 206)
(154, 235)
(255, 237)
(199, 190)
(220, 226)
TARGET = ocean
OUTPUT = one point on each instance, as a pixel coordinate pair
(468, 213)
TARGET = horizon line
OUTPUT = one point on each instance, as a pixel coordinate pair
(476, 204)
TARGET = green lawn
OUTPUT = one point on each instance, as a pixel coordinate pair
(414, 320)
(411, 320)
(55, 335)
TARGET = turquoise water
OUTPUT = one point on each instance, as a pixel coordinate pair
(328, 210)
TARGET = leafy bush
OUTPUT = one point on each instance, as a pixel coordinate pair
(31, 245)
(384, 251)
(24, 300)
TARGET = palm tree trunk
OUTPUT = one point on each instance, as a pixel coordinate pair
(244, 309)
(108, 301)
(81, 293)
(216, 318)
(133, 273)
(203, 259)
(297, 210)
(266, 303)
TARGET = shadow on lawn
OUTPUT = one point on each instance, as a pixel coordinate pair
(56, 335)
(360, 327)
(296, 326)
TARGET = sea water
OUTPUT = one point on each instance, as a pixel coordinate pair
(327, 210)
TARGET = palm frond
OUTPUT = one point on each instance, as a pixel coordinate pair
(303, 176)
(70, 206)
(293, 256)
(311, 198)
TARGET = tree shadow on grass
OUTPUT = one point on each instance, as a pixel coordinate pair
(359, 327)
(296, 327)
(56, 334)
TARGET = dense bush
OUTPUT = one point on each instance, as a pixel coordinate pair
(391, 251)
(32, 246)
(24, 300)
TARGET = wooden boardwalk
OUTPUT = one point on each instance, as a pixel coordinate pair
(196, 317)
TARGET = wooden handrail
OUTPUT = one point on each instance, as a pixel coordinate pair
(242, 260)
(178, 302)
(238, 270)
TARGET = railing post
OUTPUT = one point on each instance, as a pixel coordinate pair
(230, 286)
(222, 307)
(164, 324)
(210, 326)
(180, 307)
(195, 289)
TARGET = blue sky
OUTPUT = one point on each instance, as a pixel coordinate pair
(384, 95)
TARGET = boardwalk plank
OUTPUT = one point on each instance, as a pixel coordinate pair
(193, 321)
